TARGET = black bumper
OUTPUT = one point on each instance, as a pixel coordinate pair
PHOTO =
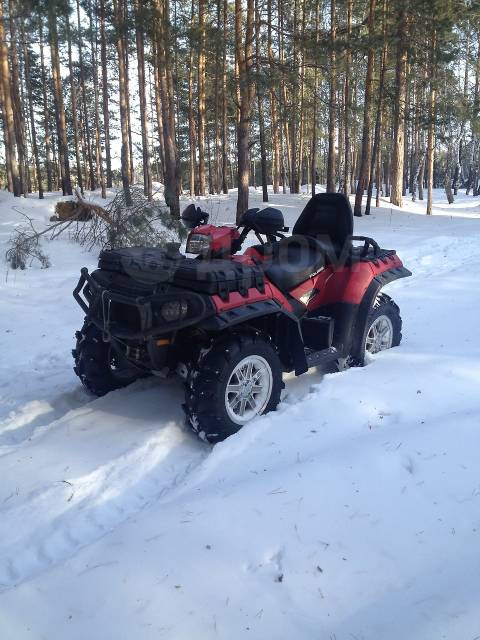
(131, 317)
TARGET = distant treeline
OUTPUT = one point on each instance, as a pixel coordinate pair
(365, 96)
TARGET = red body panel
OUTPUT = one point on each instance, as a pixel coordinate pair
(235, 299)
(221, 237)
(331, 285)
(347, 284)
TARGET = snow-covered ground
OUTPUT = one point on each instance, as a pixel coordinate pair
(353, 512)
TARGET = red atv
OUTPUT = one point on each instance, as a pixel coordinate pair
(230, 324)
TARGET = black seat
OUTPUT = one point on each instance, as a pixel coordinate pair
(293, 260)
(328, 217)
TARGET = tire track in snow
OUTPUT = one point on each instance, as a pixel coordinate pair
(87, 472)
(30, 418)
(36, 394)
(117, 455)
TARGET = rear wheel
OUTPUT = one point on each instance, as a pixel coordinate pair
(383, 329)
(232, 380)
(380, 334)
(100, 368)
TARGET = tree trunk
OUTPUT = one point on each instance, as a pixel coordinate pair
(354, 137)
(458, 161)
(142, 88)
(98, 147)
(301, 129)
(208, 158)
(348, 104)
(201, 97)
(331, 162)
(172, 172)
(122, 86)
(217, 110)
(416, 176)
(46, 112)
(192, 127)
(313, 153)
(421, 175)
(432, 100)
(158, 107)
(364, 169)
(8, 166)
(263, 151)
(313, 160)
(86, 123)
(261, 124)
(106, 113)
(10, 142)
(126, 42)
(73, 100)
(33, 130)
(295, 90)
(224, 100)
(375, 163)
(18, 112)
(448, 174)
(244, 58)
(273, 105)
(399, 110)
(283, 123)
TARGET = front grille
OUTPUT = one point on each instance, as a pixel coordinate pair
(125, 315)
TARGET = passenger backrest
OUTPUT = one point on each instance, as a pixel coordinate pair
(327, 216)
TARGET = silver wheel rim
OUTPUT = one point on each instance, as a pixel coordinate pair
(248, 389)
(380, 335)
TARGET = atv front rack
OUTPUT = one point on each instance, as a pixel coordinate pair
(108, 309)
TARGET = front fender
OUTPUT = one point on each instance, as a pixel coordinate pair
(268, 316)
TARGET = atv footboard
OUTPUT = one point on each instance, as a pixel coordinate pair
(139, 318)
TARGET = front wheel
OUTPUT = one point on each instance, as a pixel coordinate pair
(98, 366)
(232, 380)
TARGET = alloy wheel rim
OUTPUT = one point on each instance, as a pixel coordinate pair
(248, 389)
(380, 335)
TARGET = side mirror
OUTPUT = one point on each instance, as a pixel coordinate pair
(193, 216)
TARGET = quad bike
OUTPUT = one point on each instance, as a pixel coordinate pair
(231, 324)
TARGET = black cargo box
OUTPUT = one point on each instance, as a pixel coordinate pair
(158, 266)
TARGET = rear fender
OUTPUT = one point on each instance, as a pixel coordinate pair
(379, 281)
(349, 284)
(350, 313)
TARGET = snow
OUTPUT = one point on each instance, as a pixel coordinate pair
(350, 513)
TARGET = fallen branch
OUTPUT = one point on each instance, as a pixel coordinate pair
(142, 223)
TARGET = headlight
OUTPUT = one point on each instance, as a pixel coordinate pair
(198, 243)
(174, 311)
